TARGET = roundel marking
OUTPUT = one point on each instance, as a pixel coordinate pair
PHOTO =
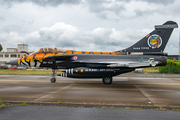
(75, 58)
(154, 41)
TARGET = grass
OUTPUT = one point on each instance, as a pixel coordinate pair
(151, 70)
(25, 72)
(160, 109)
(135, 105)
(24, 104)
(65, 102)
(61, 102)
(49, 72)
(142, 105)
(7, 104)
(175, 110)
(1, 105)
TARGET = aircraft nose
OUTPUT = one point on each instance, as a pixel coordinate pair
(13, 62)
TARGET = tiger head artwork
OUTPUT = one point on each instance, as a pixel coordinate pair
(154, 41)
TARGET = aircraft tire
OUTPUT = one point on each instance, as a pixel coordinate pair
(53, 80)
(107, 80)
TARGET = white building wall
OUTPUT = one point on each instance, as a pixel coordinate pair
(11, 49)
(22, 47)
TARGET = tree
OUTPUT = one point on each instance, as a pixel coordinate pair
(171, 67)
(1, 47)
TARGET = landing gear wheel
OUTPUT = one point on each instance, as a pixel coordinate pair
(107, 80)
(53, 80)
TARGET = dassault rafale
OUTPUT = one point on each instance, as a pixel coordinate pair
(147, 52)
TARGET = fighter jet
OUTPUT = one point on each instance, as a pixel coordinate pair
(147, 52)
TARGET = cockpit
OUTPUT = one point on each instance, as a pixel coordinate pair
(49, 50)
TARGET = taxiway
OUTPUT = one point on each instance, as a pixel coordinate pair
(123, 90)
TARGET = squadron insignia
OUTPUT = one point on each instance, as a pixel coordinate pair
(154, 41)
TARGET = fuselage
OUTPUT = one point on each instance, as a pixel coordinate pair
(72, 59)
(36, 58)
(90, 64)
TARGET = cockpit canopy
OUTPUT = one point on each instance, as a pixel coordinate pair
(49, 50)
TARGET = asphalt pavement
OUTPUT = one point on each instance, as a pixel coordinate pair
(67, 113)
(123, 90)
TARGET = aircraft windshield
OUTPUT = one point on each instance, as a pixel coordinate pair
(49, 50)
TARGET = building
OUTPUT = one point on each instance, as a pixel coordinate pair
(13, 53)
(12, 50)
(174, 57)
(22, 47)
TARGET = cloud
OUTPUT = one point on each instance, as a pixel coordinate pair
(102, 39)
(115, 10)
(61, 35)
(12, 28)
(66, 36)
(1, 18)
(90, 2)
(105, 9)
(128, 9)
(43, 3)
(165, 2)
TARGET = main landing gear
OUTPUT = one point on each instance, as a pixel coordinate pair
(107, 80)
(53, 79)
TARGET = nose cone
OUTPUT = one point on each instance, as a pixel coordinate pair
(13, 62)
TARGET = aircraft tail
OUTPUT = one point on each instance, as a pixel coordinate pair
(154, 42)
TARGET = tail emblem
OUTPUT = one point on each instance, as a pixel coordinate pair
(154, 41)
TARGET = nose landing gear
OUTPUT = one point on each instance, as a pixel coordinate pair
(53, 79)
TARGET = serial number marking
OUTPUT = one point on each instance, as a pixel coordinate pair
(46, 62)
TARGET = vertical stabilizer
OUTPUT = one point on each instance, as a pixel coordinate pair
(155, 41)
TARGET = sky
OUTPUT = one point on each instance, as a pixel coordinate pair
(86, 25)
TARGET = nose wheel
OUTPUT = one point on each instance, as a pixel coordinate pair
(53, 79)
